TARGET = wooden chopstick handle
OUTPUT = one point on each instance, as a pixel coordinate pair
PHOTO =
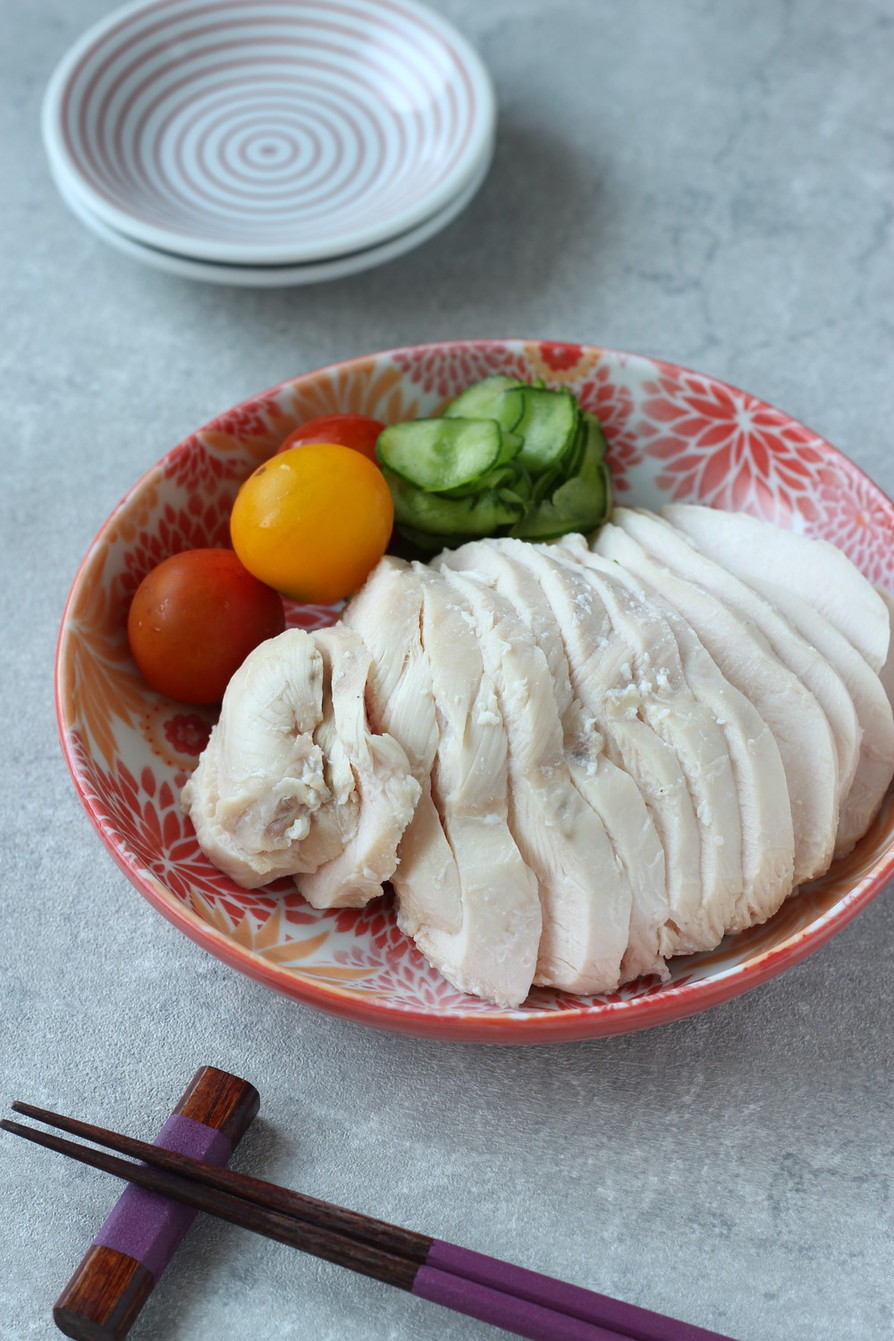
(104, 1296)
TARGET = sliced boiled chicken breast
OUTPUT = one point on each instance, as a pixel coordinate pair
(387, 615)
(370, 766)
(816, 571)
(259, 799)
(603, 680)
(875, 761)
(494, 953)
(662, 699)
(767, 839)
(680, 718)
(585, 895)
(875, 764)
(607, 789)
(673, 547)
(792, 713)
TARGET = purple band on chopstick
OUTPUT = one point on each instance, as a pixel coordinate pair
(628, 1320)
(504, 1310)
(147, 1226)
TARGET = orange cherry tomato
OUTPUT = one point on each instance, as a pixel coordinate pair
(313, 521)
(356, 431)
(195, 618)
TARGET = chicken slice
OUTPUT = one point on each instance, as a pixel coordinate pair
(585, 895)
(494, 953)
(602, 679)
(607, 789)
(672, 547)
(767, 839)
(813, 569)
(875, 761)
(687, 727)
(654, 691)
(371, 767)
(387, 614)
(259, 799)
(792, 713)
(875, 764)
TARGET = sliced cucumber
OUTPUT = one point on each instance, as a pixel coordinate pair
(506, 457)
(438, 454)
(510, 445)
(485, 400)
(581, 503)
(545, 483)
(435, 514)
(595, 436)
(497, 476)
(543, 524)
(548, 424)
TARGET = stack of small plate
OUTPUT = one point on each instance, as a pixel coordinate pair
(280, 142)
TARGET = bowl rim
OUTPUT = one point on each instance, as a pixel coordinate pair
(587, 1021)
(474, 156)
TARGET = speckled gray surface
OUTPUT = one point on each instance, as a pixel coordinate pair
(711, 183)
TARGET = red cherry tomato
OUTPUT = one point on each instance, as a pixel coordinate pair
(195, 618)
(356, 431)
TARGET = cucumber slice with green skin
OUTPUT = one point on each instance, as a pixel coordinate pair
(485, 400)
(435, 514)
(588, 442)
(438, 454)
(545, 483)
(581, 503)
(506, 457)
(588, 437)
(510, 445)
(596, 435)
(491, 479)
(548, 423)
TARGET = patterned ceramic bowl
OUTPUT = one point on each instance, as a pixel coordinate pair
(673, 434)
(274, 132)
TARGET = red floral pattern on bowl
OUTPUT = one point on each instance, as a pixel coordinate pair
(673, 434)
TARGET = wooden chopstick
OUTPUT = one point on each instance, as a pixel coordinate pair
(526, 1302)
(378, 1233)
(477, 1301)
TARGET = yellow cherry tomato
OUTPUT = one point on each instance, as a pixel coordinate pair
(313, 521)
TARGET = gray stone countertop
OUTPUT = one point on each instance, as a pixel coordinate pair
(709, 183)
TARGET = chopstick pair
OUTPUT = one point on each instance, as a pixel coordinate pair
(521, 1301)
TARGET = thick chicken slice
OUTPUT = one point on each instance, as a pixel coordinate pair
(816, 571)
(673, 548)
(678, 757)
(607, 789)
(601, 678)
(494, 953)
(585, 895)
(387, 615)
(767, 839)
(875, 763)
(259, 799)
(792, 713)
(687, 727)
(366, 770)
